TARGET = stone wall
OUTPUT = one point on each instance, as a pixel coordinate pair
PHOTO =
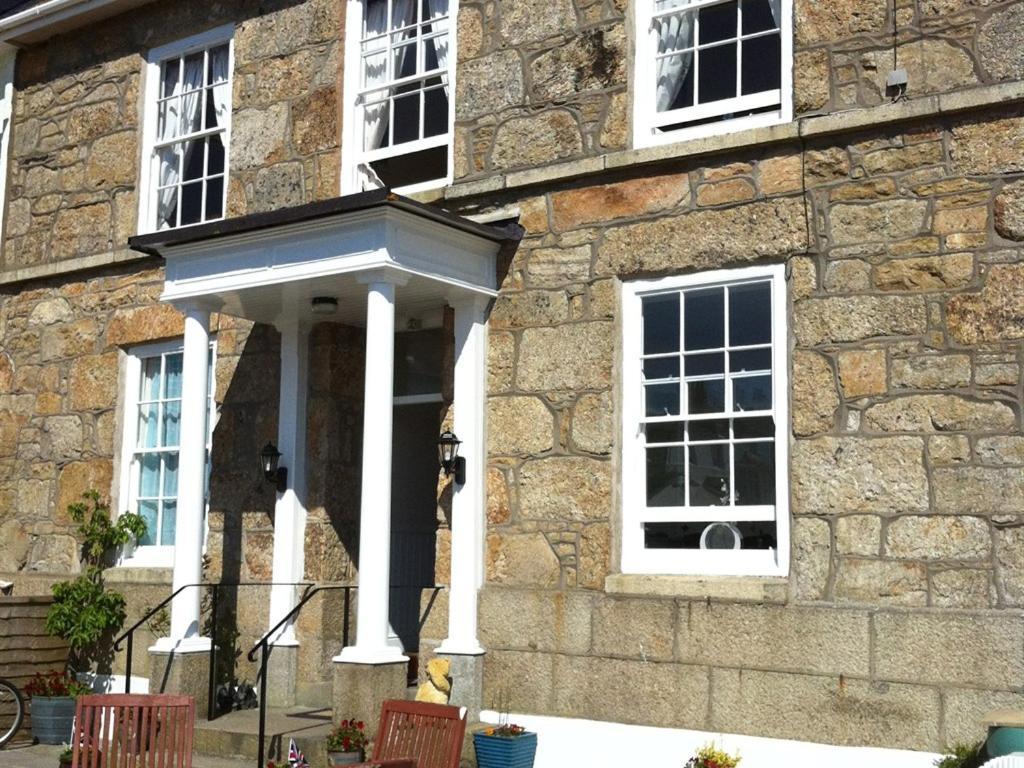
(546, 82)
(75, 137)
(906, 271)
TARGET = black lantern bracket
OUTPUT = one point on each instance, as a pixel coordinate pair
(269, 458)
(448, 454)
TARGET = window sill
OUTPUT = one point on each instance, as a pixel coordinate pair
(128, 572)
(769, 589)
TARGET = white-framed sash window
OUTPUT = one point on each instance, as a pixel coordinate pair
(705, 424)
(186, 132)
(399, 110)
(150, 445)
(710, 66)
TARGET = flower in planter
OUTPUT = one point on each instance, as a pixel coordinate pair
(56, 684)
(709, 756)
(506, 730)
(349, 736)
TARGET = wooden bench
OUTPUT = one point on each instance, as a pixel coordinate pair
(414, 734)
(122, 730)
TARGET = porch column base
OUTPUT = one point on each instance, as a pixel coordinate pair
(467, 673)
(177, 672)
(360, 689)
(282, 675)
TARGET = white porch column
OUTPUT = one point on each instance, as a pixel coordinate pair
(375, 502)
(184, 635)
(290, 509)
(468, 500)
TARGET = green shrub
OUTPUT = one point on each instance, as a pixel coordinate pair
(964, 756)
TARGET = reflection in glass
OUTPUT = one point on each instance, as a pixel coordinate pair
(662, 399)
(752, 393)
(706, 396)
(750, 314)
(661, 323)
(703, 319)
(665, 477)
(755, 474)
(709, 475)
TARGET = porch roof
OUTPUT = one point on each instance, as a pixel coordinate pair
(268, 267)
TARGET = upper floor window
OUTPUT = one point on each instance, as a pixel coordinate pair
(150, 445)
(399, 74)
(711, 66)
(705, 424)
(188, 117)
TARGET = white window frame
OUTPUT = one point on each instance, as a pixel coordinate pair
(352, 154)
(635, 557)
(150, 556)
(646, 119)
(8, 54)
(151, 89)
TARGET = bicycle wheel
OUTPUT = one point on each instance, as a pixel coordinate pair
(12, 710)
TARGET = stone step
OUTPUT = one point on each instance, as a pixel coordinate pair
(236, 735)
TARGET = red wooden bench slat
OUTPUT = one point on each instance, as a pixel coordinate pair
(415, 734)
(117, 730)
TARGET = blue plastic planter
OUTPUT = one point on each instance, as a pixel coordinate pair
(505, 751)
(52, 718)
(1004, 740)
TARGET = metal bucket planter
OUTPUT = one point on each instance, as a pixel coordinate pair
(344, 758)
(52, 718)
(505, 751)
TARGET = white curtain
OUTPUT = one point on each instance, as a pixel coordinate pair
(375, 115)
(221, 91)
(169, 160)
(674, 32)
(438, 8)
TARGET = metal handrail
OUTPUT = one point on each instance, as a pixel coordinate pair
(264, 647)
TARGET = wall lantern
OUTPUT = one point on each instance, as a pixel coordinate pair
(448, 452)
(269, 457)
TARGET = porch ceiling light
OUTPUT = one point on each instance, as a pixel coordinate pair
(269, 458)
(324, 305)
(448, 453)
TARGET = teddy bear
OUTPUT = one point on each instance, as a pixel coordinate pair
(437, 688)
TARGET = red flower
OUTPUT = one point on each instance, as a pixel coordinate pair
(359, 725)
(344, 723)
(346, 744)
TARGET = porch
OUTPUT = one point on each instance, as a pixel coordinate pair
(397, 275)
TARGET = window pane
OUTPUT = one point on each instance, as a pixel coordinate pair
(661, 323)
(762, 64)
(435, 113)
(752, 393)
(751, 360)
(717, 73)
(750, 314)
(168, 119)
(675, 82)
(661, 368)
(709, 475)
(375, 69)
(703, 321)
(172, 370)
(665, 477)
(150, 379)
(169, 77)
(194, 159)
(192, 202)
(147, 511)
(761, 426)
(407, 118)
(757, 16)
(666, 432)
(753, 535)
(755, 473)
(713, 429)
(147, 437)
(717, 22)
(218, 64)
(662, 399)
(170, 488)
(215, 198)
(172, 423)
(706, 396)
(705, 365)
(149, 475)
(168, 524)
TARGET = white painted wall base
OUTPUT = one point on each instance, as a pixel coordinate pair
(563, 741)
(113, 683)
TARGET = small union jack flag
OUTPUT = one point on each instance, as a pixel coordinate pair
(295, 758)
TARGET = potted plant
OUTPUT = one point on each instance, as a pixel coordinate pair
(53, 706)
(709, 756)
(346, 744)
(84, 611)
(66, 756)
(505, 746)
(964, 756)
